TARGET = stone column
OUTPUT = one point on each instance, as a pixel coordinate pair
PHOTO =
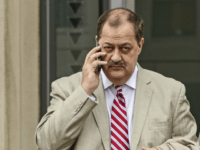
(3, 122)
(19, 75)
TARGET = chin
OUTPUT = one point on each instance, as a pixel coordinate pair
(116, 74)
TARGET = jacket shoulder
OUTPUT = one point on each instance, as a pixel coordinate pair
(162, 81)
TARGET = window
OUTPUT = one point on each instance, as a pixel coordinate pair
(174, 18)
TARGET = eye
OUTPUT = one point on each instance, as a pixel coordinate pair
(126, 48)
(108, 48)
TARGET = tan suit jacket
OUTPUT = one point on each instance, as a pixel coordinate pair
(162, 117)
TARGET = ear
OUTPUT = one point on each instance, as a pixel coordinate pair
(140, 45)
(96, 38)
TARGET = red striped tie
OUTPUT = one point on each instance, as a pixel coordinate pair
(119, 123)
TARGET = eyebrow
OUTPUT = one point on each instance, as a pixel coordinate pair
(108, 43)
(120, 44)
(126, 44)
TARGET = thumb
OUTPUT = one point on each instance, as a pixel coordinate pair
(143, 148)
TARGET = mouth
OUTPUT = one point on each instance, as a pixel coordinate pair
(116, 67)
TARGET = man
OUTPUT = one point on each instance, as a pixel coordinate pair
(122, 107)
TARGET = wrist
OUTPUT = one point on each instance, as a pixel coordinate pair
(87, 90)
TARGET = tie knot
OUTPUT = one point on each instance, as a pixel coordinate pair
(120, 96)
(116, 86)
(119, 90)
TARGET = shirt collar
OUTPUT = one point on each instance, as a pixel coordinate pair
(105, 80)
(131, 81)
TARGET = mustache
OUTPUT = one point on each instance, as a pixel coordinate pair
(119, 63)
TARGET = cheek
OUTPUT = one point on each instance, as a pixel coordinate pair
(129, 59)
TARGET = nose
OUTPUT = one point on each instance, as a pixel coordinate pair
(116, 55)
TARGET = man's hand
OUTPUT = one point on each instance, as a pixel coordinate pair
(143, 148)
(90, 77)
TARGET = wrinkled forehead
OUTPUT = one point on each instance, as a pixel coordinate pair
(123, 33)
(123, 29)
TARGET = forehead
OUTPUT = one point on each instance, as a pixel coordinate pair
(124, 31)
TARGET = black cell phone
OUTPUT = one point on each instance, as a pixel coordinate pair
(99, 58)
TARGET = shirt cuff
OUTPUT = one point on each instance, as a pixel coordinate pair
(92, 98)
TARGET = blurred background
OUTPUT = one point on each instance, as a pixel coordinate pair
(41, 41)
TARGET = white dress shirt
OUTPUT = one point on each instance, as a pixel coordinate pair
(128, 91)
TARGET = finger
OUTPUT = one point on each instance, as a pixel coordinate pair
(98, 63)
(94, 50)
(143, 148)
(96, 55)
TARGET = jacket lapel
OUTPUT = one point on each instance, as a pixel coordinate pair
(141, 107)
(101, 115)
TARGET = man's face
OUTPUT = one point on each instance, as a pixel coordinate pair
(121, 47)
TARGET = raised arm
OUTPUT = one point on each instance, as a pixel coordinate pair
(64, 119)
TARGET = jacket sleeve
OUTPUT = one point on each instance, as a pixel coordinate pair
(61, 125)
(184, 127)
